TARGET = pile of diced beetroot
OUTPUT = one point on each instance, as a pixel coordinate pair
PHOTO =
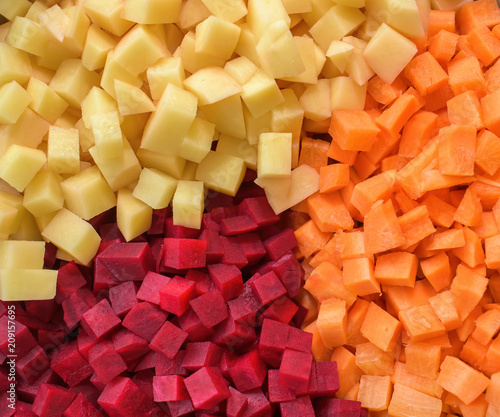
(177, 322)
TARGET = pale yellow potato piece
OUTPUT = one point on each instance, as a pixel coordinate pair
(54, 22)
(192, 12)
(13, 101)
(369, 27)
(256, 125)
(27, 284)
(230, 10)
(352, 3)
(28, 36)
(247, 43)
(263, 13)
(72, 234)
(86, 136)
(20, 164)
(167, 70)
(8, 215)
(340, 53)
(319, 8)
(297, 6)
(76, 30)
(43, 220)
(241, 69)
(21, 254)
(238, 147)
(54, 56)
(346, 94)
(133, 216)
(96, 102)
(43, 195)
(11, 9)
(316, 101)
(379, 53)
(107, 135)
(37, 7)
(227, 115)
(45, 101)
(15, 65)
(261, 94)
(152, 11)
(107, 15)
(402, 15)
(28, 229)
(189, 172)
(114, 71)
(216, 37)
(357, 67)
(170, 164)
(97, 45)
(312, 57)
(193, 61)
(198, 140)
(131, 99)
(174, 114)
(155, 188)
(63, 156)
(133, 126)
(274, 155)
(212, 84)
(15, 201)
(188, 204)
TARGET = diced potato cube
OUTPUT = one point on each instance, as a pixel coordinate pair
(73, 235)
(241, 69)
(193, 61)
(45, 101)
(172, 165)
(11, 9)
(402, 15)
(247, 43)
(114, 71)
(238, 147)
(20, 164)
(15, 201)
(15, 65)
(256, 125)
(167, 70)
(8, 215)
(28, 229)
(87, 194)
(43, 194)
(27, 35)
(189, 173)
(21, 254)
(297, 6)
(198, 140)
(63, 156)
(96, 48)
(77, 29)
(107, 15)
(54, 22)
(97, 101)
(261, 94)
(54, 56)
(263, 13)
(227, 115)
(13, 101)
(346, 94)
(192, 13)
(340, 53)
(188, 204)
(152, 11)
(316, 100)
(131, 99)
(232, 11)
(155, 188)
(357, 67)
(274, 155)
(107, 134)
(312, 57)
(27, 284)
(133, 217)
(216, 37)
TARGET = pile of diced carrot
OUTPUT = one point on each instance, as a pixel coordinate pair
(402, 242)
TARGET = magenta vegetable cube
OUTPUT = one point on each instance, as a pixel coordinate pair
(52, 400)
(42, 309)
(207, 222)
(129, 346)
(327, 407)
(182, 253)
(268, 287)
(257, 404)
(290, 273)
(243, 311)
(166, 366)
(32, 365)
(123, 297)
(226, 361)
(259, 210)
(169, 388)
(232, 333)
(327, 378)
(207, 388)
(364, 412)
(176, 294)
(168, 340)
(127, 261)
(5, 401)
(106, 363)
(295, 369)
(69, 364)
(233, 252)
(23, 409)
(232, 226)
(273, 335)
(69, 279)
(277, 393)
(271, 357)
(76, 305)
(203, 283)
(148, 361)
(195, 329)
(81, 407)
(312, 389)
(176, 231)
(282, 309)
(97, 383)
(145, 319)
(227, 279)
(215, 248)
(4, 379)
(180, 408)
(100, 320)
(144, 380)
(248, 371)
(84, 343)
(236, 403)
(151, 286)
(103, 279)
(201, 354)
(299, 340)
(49, 339)
(300, 407)
(280, 243)
(158, 222)
(24, 339)
(211, 308)
(50, 256)
(27, 392)
(252, 247)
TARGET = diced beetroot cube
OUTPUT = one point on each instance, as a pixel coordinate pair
(227, 279)
(129, 346)
(195, 329)
(24, 409)
(215, 249)
(97, 382)
(145, 319)
(148, 361)
(257, 405)
(69, 364)
(268, 287)
(208, 223)
(231, 210)
(300, 407)
(76, 305)
(169, 388)
(123, 297)
(280, 243)
(49, 339)
(90, 392)
(24, 339)
(252, 246)
(84, 343)
(276, 392)
(5, 402)
(210, 308)
(290, 273)
(242, 311)
(81, 407)
(236, 403)
(128, 261)
(177, 231)
(274, 335)
(158, 222)
(180, 408)
(233, 252)
(103, 278)
(203, 283)
(364, 412)
(32, 365)
(327, 378)
(28, 392)
(100, 320)
(300, 316)
(271, 357)
(110, 233)
(4, 379)
(144, 380)
(50, 256)
(182, 253)
(312, 389)
(166, 366)
(69, 279)
(151, 286)
(42, 309)
(122, 397)
(282, 309)
(217, 201)
(106, 363)
(299, 340)
(226, 361)
(176, 294)
(207, 387)
(168, 340)
(232, 226)
(201, 354)
(248, 371)
(259, 210)
(337, 407)
(231, 333)
(103, 218)
(52, 400)
(295, 369)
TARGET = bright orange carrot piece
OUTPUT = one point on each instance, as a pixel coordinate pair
(417, 132)
(353, 130)
(469, 211)
(485, 45)
(443, 45)
(363, 166)
(329, 212)
(310, 239)
(467, 288)
(466, 329)
(472, 253)
(437, 99)
(491, 363)
(456, 150)
(448, 239)
(487, 325)
(313, 152)
(373, 360)
(331, 253)
(385, 93)
(477, 408)
(383, 146)
(398, 113)
(440, 212)
(490, 105)
(415, 225)
(349, 372)
(465, 109)
(396, 268)
(358, 277)
(353, 245)
(441, 20)
(421, 323)
(338, 154)
(466, 74)
(380, 328)
(423, 359)
(481, 12)
(402, 375)
(473, 353)
(382, 229)
(403, 298)
(355, 318)
(492, 251)
(488, 193)
(443, 305)
(332, 322)
(492, 78)
(318, 348)
(461, 379)
(375, 392)
(487, 152)
(407, 401)
(371, 190)
(437, 270)
(494, 286)
(425, 73)
(333, 177)
(493, 390)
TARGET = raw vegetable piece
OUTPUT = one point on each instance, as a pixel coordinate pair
(310, 239)
(493, 391)
(182, 253)
(353, 130)
(236, 403)
(423, 359)
(168, 340)
(299, 407)
(248, 371)
(295, 369)
(129, 345)
(166, 366)
(396, 268)
(100, 320)
(298, 340)
(421, 323)
(32, 365)
(274, 335)
(440, 212)
(466, 74)
(443, 46)
(327, 379)
(69, 279)
(280, 243)
(192, 325)
(278, 393)
(425, 73)
(417, 132)
(331, 322)
(406, 400)
(375, 392)
(437, 270)
(201, 354)
(227, 279)
(329, 212)
(336, 406)
(369, 191)
(233, 226)
(428, 386)
(257, 403)
(485, 12)
(203, 283)
(380, 328)
(176, 295)
(491, 116)
(80, 406)
(374, 361)
(52, 400)
(465, 109)
(469, 210)
(268, 287)
(415, 225)
(69, 364)
(169, 388)
(487, 325)
(123, 297)
(24, 339)
(358, 277)
(333, 177)
(243, 309)
(313, 152)
(107, 364)
(233, 252)
(487, 155)
(207, 387)
(85, 343)
(444, 306)
(259, 210)
(467, 288)
(485, 44)
(145, 319)
(215, 248)
(290, 273)
(150, 287)
(211, 308)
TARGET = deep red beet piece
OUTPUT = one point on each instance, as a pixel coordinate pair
(166, 366)
(282, 309)
(129, 346)
(232, 226)
(32, 365)
(259, 210)
(144, 380)
(207, 387)
(290, 273)
(180, 408)
(52, 400)
(24, 339)
(42, 309)
(268, 287)
(195, 329)
(180, 253)
(158, 221)
(271, 357)
(84, 343)
(227, 279)
(96, 382)
(23, 409)
(123, 297)
(76, 305)
(207, 222)
(203, 283)
(215, 248)
(364, 412)
(276, 392)
(100, 320)
(232, 333)
(257, 404)
(280, 243)
(299, 340)
(252, 247)
(148, 361)
(81, 407)
(28, 392)
(145, 319)
(327, 407)
(273, 335)
(151, 286)
(300, 407)
(49, 339)
(248, 371)
(69, 279)
(201, 354)
(242, 311)
(233, 252)
(176, 295)
(169, 388)
(327, 378)
(69, 364)
(312, 388)
(236, 403)
(168, 340)
(177, 231)
(106, 363)
(4, 379)
(211, 308)
(295, 369)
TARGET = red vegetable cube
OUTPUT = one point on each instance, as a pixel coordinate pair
(299, 340)
(232, 333)
(176, 231)
(166, 366)
(268, 287)
(42, 309)
(300, 407)
(339, 407)
(158, 221)
(32, 365)
(252, 246)
(144, 380)
(276, 392)
(259, 210)
(168, 340)
(169, 388)
(215, 249)
(69, 364)
(100, 320)
(295, 369)
(195, 329)
(129, 346)
(81, 407)
(201, 354)
(248, 371)
(182, 253)
(126, 261)
(282, 309)
(243, 309)
(106, 363)
(235, 225)
(28, 392)
(227, 279)
(207, 388)
(69, 279)
(180, 408)
(236, 403)
(145, 319)
(274, 335)
(150, 288)
(290, 273)
(233, 252)
(52, 400)
(280, 243)
(84, 343)
(327, 378)
(148, 361)
(24, 339)
(210, 308)
(176, 294)
(257, 404)
(123, 297)
(203, 283)
(76, 305)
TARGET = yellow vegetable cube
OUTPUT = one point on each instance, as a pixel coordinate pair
(402, 15)
(45, 101)
(216, 37)
(54, 22)
(27, 35)
(263, 13)
(63, 156)
(346, 94)
(167, 70)
(231, 11)
(274, 155)
(340, 53)
(312, 57)
(27, 284)
(107, 15)
(155, 188)
(54, 56)
(97, 101)
(172, 165)
(211, 85)
(133, 217)
(114, 71)
(316, 101)
(11, 9)
(15, 201)
(131, 99)
(261, 94)
(238, 147)
(152, 11)
(193, 61)
(107, 134)
(28, 229)
(189, 173)
(188, 204)
(297, 6)
(227, 116)
(198, 140)
(241, 69)
(8, 215)
(43, 195)
(21, 254)
(76, 30)
(72, 234)
(96, 48)
(192, 12)
(13, 101)
(256, 125)
(20, 164)
(15, 65)
(37, 7)
(87, 194)
(357, 67)
(247, 43)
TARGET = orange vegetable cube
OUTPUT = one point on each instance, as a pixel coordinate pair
(443, 45)
(310, 239)
(425, 73)
(487, 152)
(333, 177)
(406, 401)
(487, 325)
(437, 270)
(332, 322)
(374, 361)
(490, 105)
(465, 109)
(421, 323)
(353, 130)
(358, 277)
(456, 150)
(466, 74)
(423, 359)
(486, 46)
(380, 328)
(396, 268)
(382, 229)
(443, 305)
(329, 212)
(375, 392)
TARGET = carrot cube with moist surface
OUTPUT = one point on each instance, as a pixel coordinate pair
(333, 177)
(425, 73)
(353, 130)
(380, 328)
(359, 278)
(396, 268)
(456, 150)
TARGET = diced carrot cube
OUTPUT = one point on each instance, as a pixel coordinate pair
(490, 105)
(415, 225)
(373, 360)
(407, 401)
(369, 191)
(485, 45)
(382, 229)
(349, 372)
(313, 152)
(467, 287)
(437, 270)
(465, 109)
(398, 113)
(456, 150)
(487, 325)
(329, 212)
(487, 152)
(481, 12)
(443, 305)
(333, 177)
(443, 45)
(332, 322)
(358, 277)
(375, 392)
(425, 73)
(423, 359)
(353, 130)
(310, 239)
(380, 328)
(441, 20)
(466, 74)
(421, 323)
(396, 268)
